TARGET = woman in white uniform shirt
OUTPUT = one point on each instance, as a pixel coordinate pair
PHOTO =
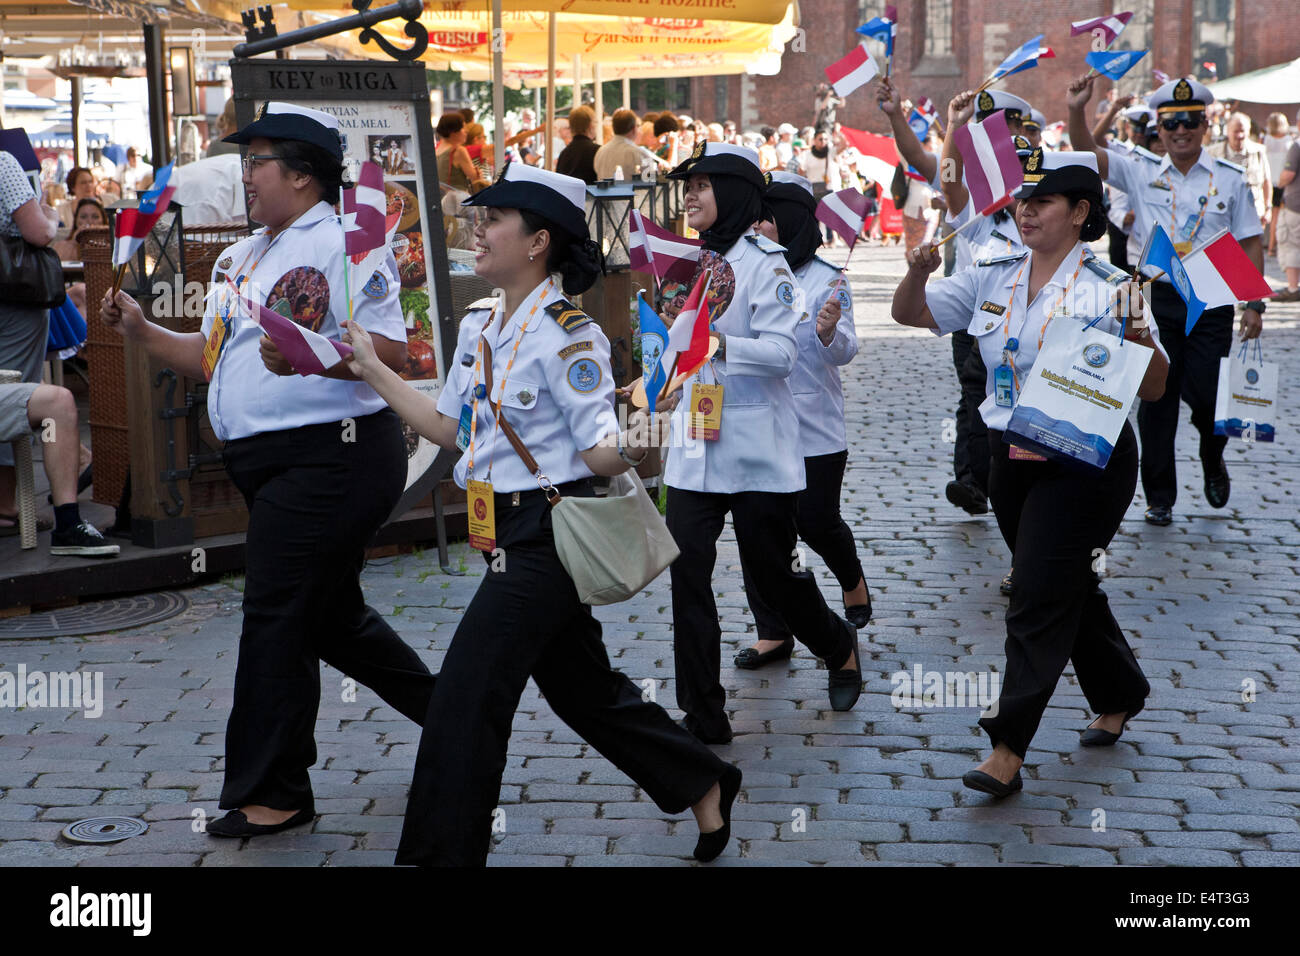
(754, 468)
(827, 340)
(536, 362)
(1052, 514)
(319, 459)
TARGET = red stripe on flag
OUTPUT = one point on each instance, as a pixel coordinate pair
(1237, 269)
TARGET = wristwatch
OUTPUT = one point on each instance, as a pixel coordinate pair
(1257, 305)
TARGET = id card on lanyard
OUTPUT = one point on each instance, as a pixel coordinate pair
(222, 326)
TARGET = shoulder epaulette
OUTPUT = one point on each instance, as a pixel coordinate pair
(999, 260)
(569, 316)
(1113, 274)
(1146, 154)
(766, 244)
(1230, 165)
(830, 264)
(489, 302)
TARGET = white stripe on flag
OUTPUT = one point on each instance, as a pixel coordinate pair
(834, 204)
(989, 167)
(323, 350)
(374, 198)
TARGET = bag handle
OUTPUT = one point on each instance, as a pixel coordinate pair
(516, 442)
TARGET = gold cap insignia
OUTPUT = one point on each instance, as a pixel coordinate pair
(1031, 164)
(1182, 91)
(261, 113)
(1021, 142)
(699, 151)
(985, 102)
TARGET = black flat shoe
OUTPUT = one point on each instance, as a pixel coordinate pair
(1007, 586)
(1160, 515)
(845, 686)
(688, 725)
(1218, 486)
(987, 783)
(710, 845)
(235, 824)
(967, 497)
(1096, 737)
(751, 659)
(859, 615)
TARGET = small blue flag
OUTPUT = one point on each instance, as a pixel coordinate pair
(920, 124)
(882, 28)
(1160, 253)
(150, 198)
(1114, 64)
(1023, 58)
(654, 339)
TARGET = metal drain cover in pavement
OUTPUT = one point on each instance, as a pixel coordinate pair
(104, 829)
(96, 617)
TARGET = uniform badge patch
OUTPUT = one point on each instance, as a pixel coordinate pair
(377, 286)
(785, 294)
(843, 296)
(584, 375)
(574, 349)
(225, 263)
(993, 307)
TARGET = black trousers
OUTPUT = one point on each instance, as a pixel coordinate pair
(817, 520)
(1054, 517)
(970, 452)
(314, 501)
(526, 619)
(765, 533)
(1194, 379)
(1118, 248)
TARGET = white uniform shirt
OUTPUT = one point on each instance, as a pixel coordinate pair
(559, 396)
(1118, 209)
(815, 381)
(980, 300)
(1231, 206)
(305, 264)
(986, 239)
(759, 447)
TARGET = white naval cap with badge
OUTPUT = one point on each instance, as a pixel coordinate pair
(277, 120)
(1181, 99)
(1035, 120)
(988, 102)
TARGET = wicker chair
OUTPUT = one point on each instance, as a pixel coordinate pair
(25, 493)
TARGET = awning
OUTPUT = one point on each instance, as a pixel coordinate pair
(677, 11)
(1272, 84)
(59, 136)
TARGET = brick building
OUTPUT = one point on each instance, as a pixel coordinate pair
(944, 46)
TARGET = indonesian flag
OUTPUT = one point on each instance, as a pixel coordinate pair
(310, 353)
(664, 254)
(1222, 273)
(1023, 58)
(877, 155)
(688, 339)
(133, 225)
(845, 212)
(1111, 26)
(854, 70)
(993, 169)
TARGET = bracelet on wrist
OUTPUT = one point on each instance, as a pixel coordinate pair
(622, 453)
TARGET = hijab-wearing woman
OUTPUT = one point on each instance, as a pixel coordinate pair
(534, 361)
(752, 464)
(1054, 515)
(827, 340)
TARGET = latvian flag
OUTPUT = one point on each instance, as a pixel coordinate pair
(1111, 26)
(845, 212)
(310, 353)
(1222, 273)
(365, 223)
(854, 70)
(132, 225)
(993, 169)
(663, 254)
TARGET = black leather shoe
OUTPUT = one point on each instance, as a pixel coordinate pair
(235, 824)
(710, 845)
(1096, 737)
(1007, 586)
(967, 497)
(859, 615)
(688, 725)
(1160, 515)
(750, 659)
(986, 783)
(845, 686)
(1218, 486)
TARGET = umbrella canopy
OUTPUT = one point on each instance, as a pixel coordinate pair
(27, 100)
(751, 11)
(59, 136)
(1272, 84)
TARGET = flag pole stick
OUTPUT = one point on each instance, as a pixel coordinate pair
(950, 235)
(117, 279)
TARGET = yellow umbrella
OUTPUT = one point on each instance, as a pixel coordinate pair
(751, 11)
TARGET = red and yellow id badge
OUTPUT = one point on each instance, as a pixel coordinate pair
(212, 349)
(1024, 454)
(482, 516)
(705, 419)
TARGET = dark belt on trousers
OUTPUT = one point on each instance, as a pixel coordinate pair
(580, 488)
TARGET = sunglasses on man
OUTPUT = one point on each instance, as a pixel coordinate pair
(1185, 120)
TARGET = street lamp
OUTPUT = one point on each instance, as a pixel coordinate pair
(609, 208)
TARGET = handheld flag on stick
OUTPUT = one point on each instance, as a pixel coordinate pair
(1223, 274)
(654, 344)
(367, 229)
(925, 106)
(1111, 27)
(845, 212)
(133, 225)
(993, 170)
(310, 353)
(847, 74)
(1159, 254)
(1113, 65)
(688, 339)
(920, 124)
(1022, 58)
(663, 254)
(884, 29)
(1161, 77)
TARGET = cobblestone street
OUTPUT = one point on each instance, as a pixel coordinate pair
(1208, 774)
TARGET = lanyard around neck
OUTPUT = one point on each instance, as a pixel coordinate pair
(1042, 332)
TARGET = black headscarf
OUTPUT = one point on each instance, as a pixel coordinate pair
(739, 204)
(796, 229)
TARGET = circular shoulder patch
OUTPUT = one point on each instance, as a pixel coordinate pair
(785, 294)
(584, 375)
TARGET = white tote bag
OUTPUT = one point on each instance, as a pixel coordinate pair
(1078, 394)
(1246, 402)
(614, 546)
